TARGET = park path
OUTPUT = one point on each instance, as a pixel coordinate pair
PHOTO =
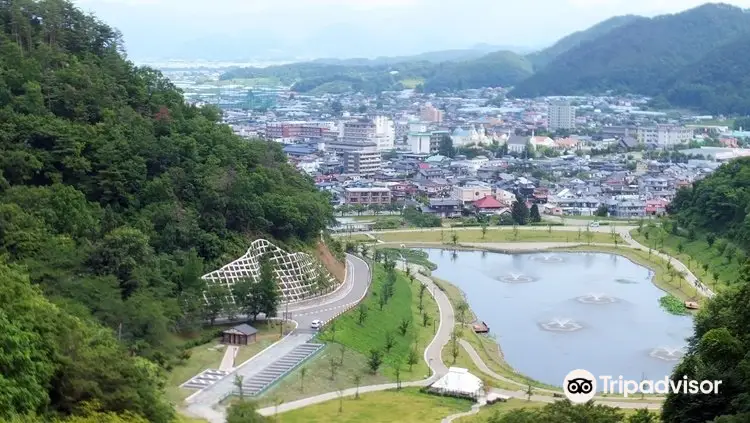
(227, 362)
(432, 355)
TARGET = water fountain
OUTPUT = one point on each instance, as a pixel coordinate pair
(516, 278)
(548, 258)
(597, 299)
(668, 353)
(561, 325)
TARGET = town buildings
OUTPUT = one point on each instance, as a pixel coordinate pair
(429, 113)
(561, 115)
(368, 196)
(365, 162)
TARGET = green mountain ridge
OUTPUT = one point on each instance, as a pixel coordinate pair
(649, 56)
(690, 59)
(543, 57)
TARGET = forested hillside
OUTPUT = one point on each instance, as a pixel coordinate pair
(502, 68)
(718, 204)
(541, 58)
(719, 83)
(115, 196)
(645, 55)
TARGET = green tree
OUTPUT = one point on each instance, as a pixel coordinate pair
(374, 360)
(534, 215)
(245, 412)
(602, 211)
(445, 148)
(266, 290)
(520, 212)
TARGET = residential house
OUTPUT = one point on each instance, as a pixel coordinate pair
(368, 195)
(443, 207)
(489, 205)
(626, 206)
(471, 192)
(656, 207)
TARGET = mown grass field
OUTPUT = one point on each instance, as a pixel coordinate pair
(405, 406)
(372, 333)
(498, 235)
(317, 379)
(357, 341)
(694, 254)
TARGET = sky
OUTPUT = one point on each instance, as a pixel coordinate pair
(235, 30)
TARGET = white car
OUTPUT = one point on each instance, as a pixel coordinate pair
(316, 324)
(594, 224)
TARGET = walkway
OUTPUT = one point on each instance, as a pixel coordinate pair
(432, 355)
(227, 362)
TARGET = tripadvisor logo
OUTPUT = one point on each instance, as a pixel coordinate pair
(580, 386)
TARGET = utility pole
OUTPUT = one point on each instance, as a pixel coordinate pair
(119, 332)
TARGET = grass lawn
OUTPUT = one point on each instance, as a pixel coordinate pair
(694, 254)
(514, 404)
(354, 237)
(359, 339)
(317, 379)
(208, 356)
(499, 407)
(411, 83)
(497, 235)
(372, 333)
(676, 286)
(417, 257)
(405, 406)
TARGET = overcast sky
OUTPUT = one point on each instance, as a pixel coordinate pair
(365, 28)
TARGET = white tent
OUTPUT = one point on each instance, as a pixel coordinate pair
(458, 382)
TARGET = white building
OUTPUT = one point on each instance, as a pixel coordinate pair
(385, 133)
(419, 142)
(380, 130)
(471, 135)
(365, 162)
(665, 135)
(561, 116)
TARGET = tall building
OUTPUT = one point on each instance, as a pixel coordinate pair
(561, 116)
(380, 130)
(385, 133)
(365, 162)
(419, 142)
(430, 113)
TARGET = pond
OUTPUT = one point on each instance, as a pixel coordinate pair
(555, 312)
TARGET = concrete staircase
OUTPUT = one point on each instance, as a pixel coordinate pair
(204, 379)
(278, 369)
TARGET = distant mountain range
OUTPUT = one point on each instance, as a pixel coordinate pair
(697, 59)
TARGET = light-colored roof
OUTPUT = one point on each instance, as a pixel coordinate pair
(370, 189)
(458, 380)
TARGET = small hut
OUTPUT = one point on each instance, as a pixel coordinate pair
(243, 334)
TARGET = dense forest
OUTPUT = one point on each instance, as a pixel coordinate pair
(719, 204)
(716, 208)
(541, 58)
(115, 197)
(681, 57)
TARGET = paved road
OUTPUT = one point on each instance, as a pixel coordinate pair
(202, 403)
(432, 355)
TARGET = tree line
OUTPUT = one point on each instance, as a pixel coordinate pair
(115, 198)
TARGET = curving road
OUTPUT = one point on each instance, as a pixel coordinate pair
(435, 362)
(202, 403)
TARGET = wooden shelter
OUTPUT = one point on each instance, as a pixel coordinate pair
(243, 334)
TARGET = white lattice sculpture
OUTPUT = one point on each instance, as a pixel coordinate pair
(297, 273)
